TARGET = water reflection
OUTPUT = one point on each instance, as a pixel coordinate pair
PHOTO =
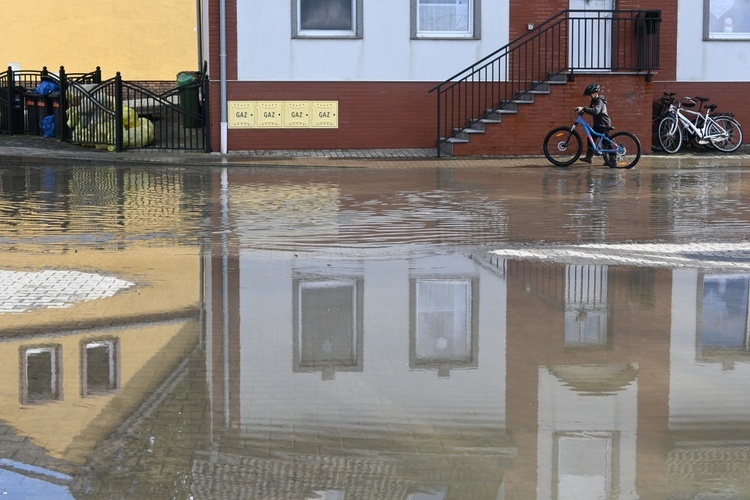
(376, 349)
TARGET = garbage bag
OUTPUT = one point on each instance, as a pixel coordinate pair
(129, 117)
(48, 126)
(141, 135)
(46, 87)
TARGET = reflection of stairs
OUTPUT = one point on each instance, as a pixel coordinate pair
(452, 145)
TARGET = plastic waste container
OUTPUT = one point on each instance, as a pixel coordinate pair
(37, 107)
(188, 85)
(54, 108)
(11, 116)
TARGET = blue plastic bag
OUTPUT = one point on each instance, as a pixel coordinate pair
(46, 87)
(48, 126)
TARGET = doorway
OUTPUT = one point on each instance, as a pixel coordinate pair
(591, 34)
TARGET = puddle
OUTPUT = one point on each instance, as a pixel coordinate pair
(288, 333)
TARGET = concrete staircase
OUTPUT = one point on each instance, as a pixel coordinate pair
(494, 117)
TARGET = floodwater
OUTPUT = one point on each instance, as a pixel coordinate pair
(356, 334)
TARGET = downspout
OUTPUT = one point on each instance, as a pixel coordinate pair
(223, 61)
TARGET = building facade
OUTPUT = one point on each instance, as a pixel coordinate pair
(347, 74)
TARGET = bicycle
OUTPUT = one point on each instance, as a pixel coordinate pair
(563, 145)
(721, 131)
(661, 109)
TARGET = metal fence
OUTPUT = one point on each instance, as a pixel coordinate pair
(114, 114)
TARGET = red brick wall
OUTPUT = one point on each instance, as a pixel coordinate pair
(629, 101)
(372, 115)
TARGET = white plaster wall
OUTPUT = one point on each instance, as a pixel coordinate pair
(267, 52)
(387, 391)
(704, 61)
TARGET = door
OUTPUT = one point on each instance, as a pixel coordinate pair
(591, 34)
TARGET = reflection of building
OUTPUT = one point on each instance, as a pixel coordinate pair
(79, 362)
(362, 370)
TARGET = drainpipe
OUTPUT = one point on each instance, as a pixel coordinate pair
(223, 60)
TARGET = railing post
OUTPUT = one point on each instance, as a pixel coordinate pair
(438, 121)
(98, 75)
(206, 108)
(118, 113)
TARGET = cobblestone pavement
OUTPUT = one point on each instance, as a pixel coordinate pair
(29, 150)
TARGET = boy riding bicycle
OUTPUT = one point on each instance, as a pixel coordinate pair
(598, 110)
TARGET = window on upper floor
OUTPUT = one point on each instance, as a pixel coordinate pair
(445, 19)
(726, 19)
(327, 18)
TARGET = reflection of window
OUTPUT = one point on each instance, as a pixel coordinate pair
(443, 324)
(585, 465)
(586, 309)
(443, 18)
(727, 19)
(723, 314)
(328, 326)
(327, 18)
(41, 374)
(100, 366)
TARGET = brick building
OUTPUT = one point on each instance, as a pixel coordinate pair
(339, 74)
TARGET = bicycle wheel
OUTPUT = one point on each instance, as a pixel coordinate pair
(670, 135)
(725, 134)
(628, 149)
(562, 146)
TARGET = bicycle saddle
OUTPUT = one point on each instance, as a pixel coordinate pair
(711, 107)
(701, 99)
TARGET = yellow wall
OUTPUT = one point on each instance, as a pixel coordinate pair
(143, 40)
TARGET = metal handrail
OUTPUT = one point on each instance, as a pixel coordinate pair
(624, 41)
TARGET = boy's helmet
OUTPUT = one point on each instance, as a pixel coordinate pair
(590, 89)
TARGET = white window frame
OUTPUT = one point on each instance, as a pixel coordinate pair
(354, 33)
(472, 31)
(728, 32)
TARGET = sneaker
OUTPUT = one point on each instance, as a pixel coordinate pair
(586, 159)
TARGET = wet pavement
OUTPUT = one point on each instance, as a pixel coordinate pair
(389, 325)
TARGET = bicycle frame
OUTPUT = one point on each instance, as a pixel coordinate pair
(687, 123)
(591, 133)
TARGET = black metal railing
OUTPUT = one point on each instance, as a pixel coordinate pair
(618, 41)
(114, 114)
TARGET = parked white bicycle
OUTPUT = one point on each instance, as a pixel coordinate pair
(682, 124)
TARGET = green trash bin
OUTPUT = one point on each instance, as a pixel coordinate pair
(188, 84)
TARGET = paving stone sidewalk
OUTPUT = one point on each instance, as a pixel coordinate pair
(29, 150)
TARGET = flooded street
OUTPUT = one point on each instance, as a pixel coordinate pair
(357, 334)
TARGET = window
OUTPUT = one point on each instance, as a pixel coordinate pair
(443, 324)
(100, 360)
(328, 325)
(726, 19)
(327, 18)
(445, 19)
(41, 375)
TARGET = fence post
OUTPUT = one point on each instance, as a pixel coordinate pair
(63, 105)
(98, 75)
(10, 97)
(118, 113)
